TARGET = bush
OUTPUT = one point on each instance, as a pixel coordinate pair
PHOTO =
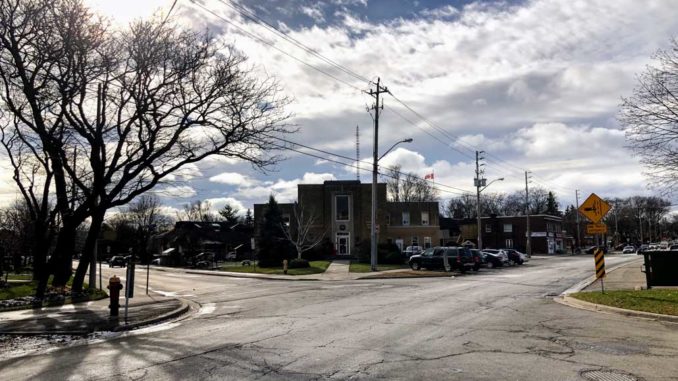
(321, 251)
(387, 253)
(297, 263)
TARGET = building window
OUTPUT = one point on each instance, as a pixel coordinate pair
(427, 242)
(508, 228)
(388, 219)
(406, 218)
(424, 218)
(488, 228)
(286, 219)
(509, 244)
(415, 241)
(342, 208)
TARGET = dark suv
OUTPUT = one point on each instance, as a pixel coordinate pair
(458, 258)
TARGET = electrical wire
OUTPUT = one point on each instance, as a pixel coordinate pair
(272, 45)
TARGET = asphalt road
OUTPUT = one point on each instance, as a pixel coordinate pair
(495, 325)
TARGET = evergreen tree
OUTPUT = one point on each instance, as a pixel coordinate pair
(229, 214)
(249, 220)
(273, 246)
(552, 205)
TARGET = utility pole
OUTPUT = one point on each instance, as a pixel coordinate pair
(479, 183)
(528, 243)
(576, 197)
(375, 159)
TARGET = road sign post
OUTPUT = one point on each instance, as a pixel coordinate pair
(599, 257)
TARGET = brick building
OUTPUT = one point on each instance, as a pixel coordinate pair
(498, 232)
(343, 210)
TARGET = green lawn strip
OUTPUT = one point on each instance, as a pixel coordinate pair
(12, 276)
(659, 301)
(317, 267)
(13, 291)
(357, 267)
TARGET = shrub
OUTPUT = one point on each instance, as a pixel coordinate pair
(387, 253)
(323, 250)
(297, 263)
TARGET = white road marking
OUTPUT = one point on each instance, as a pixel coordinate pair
(207, 308)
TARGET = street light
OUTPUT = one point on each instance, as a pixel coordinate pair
(373, 225)
(479, 183)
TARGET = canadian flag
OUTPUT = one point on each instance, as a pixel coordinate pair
(429, 176)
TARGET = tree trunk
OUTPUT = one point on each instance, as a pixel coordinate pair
(87, 252)
(62, 259)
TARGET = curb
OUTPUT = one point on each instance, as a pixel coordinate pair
(183, 308)
(569, 301)
(584, 305)
(237, 275)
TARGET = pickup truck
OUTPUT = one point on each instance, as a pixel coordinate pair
(446, 258)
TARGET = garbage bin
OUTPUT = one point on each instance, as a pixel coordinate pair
(661, 268)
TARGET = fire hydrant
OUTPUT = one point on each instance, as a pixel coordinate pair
(114, 286)
(285, 266)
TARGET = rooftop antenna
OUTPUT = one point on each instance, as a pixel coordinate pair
(357, 152)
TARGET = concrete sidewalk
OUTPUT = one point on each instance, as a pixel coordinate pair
(88, 317)
(626, 277)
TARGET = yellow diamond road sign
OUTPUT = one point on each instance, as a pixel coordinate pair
(594, 208)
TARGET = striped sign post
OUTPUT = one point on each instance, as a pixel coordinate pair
(599, 257)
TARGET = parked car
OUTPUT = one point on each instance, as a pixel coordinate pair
(412, 250)
(488, 259)
(117, 260)
(156, 261)
(673, 247)
(516, 256)
(592, 249)
(458, 258)
(499, 254)
(629, 249)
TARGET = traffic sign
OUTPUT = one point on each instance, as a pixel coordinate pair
(596, 228)
(599, 257)
(594, 208)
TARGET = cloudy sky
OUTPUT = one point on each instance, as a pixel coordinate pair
(535, 84)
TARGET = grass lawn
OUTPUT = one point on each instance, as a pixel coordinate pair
(28, 289)
(12, 276)
(357, 267)
(663, 301)
(317, 267)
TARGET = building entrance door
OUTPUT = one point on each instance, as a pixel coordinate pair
(343, 244)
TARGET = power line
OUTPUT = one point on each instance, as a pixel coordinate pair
(272, 45)
(252, 16)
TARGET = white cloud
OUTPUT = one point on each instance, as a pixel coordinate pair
(181, 191)
(220, 202)
(233, 178)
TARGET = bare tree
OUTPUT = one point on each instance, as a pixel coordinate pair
(408, 187)
(139, 105)
(302, 230)
(650, 118)
(197, 211)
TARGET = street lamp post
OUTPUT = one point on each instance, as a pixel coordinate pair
(373, 224)
(480, 182)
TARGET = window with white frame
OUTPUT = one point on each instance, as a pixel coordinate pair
(424, 218)
(488, 228)
(415, 241)
(509, 244)
(508, 228)
(406, 218)
(427, 242)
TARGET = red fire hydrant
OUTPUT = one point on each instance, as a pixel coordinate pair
(114, 286)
